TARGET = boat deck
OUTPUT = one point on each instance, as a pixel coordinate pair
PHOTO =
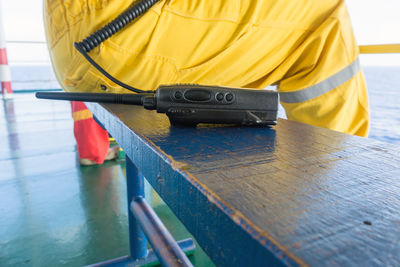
(53, 211)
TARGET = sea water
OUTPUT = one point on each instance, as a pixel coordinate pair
(384, 96)
(383, 89)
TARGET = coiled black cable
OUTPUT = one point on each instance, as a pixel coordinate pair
(95, 39)
(89, 43)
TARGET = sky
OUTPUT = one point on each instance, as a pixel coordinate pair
(374, 22)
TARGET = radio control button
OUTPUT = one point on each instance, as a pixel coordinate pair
(178, 95)
(197, 95)
(229, 97)
(219, 96)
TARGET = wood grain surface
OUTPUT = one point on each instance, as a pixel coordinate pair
(291, 194)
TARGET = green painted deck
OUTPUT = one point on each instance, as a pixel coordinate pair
(53, 211)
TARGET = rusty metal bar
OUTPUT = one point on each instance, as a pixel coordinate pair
(164, 245)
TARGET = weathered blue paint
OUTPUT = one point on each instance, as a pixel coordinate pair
(164, 245)
(288, 195)
(135, 188)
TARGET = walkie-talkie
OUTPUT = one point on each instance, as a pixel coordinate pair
(188, 104)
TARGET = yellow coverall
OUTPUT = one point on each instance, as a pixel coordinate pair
(305, 47)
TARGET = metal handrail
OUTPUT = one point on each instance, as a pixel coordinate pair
(25, 42)
(380, 49)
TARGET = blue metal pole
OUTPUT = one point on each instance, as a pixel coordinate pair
(135, 188)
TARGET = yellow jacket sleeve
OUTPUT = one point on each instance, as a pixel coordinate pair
(306, 47)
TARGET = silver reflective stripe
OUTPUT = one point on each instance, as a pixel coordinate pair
(321, 88)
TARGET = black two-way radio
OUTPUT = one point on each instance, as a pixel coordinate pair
(192, 104)
(187, 104)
